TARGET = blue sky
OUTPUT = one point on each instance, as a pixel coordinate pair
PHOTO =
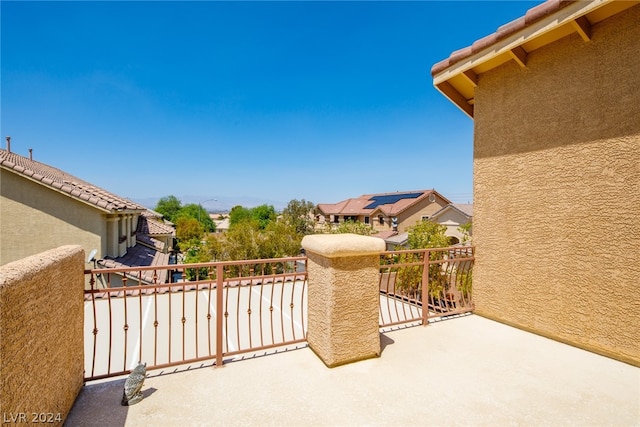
(243, 102)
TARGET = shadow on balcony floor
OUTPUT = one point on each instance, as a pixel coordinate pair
(467, 371)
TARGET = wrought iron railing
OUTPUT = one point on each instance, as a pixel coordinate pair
(212, 311)
(207, 311)
(426, 283)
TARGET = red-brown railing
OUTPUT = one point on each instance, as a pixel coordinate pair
(207, 311)
(441, 277)
(210, 311)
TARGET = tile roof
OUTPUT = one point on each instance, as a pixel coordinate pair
(140, 256)
(63, 182)
(457, 76)
(148, 223)
(531, 16)
(387, 203)
(467, 208)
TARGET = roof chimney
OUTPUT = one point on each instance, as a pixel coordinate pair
(30, 153)
(9, 144)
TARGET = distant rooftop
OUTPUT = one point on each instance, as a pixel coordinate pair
(386, 203)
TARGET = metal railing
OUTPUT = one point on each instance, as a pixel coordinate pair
(418, 285)
(207, 311)
(210, 311)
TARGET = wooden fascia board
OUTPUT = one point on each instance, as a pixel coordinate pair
(450, 92)
(565, 15)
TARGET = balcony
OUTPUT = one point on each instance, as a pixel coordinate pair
(227, 361)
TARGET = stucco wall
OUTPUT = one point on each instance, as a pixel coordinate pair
(557, 190)
(41, 324)
(36, 219)
(414, 214)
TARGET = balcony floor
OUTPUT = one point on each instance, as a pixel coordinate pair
(462, 371)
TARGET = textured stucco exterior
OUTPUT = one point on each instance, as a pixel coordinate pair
(414, 214)
(41, 324)
(36, 219)
(343, 300)
(557, 190)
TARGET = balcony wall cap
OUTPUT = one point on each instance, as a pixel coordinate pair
(341, 245)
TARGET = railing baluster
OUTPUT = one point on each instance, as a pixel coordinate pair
(141, 320)
(155, 327)
(219, 317)
(95, 324)
(126, 324)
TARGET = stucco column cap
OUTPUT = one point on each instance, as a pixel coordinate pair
(339, 245)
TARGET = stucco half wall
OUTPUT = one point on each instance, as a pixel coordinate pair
(557, 190)
(42, 345)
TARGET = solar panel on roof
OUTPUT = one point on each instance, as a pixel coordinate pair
(390, 199)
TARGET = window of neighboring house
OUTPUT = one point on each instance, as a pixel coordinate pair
(381, 219)
(336, 219)
(366, 220)
(350, 218)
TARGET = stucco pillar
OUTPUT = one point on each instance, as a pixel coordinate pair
(344, 296)
(112, 236)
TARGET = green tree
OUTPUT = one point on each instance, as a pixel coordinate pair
(242, 241)
(200, 214)
(281, 239)
(423, 235)
(169, 207)
(299, 214)
(355, 227)
(238, 214)
(427, 234)
(189, 232)
(465, 230)
(264, 215)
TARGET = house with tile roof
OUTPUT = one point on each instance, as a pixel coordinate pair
(43, 207)
(453, 216)
(555, 97)
(387, 213)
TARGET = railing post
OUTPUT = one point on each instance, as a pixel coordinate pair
(343, 296)
(425, 288)
(219, 314)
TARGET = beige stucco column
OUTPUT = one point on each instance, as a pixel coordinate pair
(343, 296)
(112, 237)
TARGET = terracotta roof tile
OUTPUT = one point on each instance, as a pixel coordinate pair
(531, 16)
(140, 256)
(148, 224)
(357, 205)
(60, 180)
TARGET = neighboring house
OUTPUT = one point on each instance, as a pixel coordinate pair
(43, 208)
(385, 212)
(555, 96)
(453, 216)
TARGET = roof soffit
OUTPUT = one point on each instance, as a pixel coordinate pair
(457, 76)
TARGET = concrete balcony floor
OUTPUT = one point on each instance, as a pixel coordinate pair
(462, 371)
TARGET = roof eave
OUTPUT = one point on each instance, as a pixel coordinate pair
(509, 47)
